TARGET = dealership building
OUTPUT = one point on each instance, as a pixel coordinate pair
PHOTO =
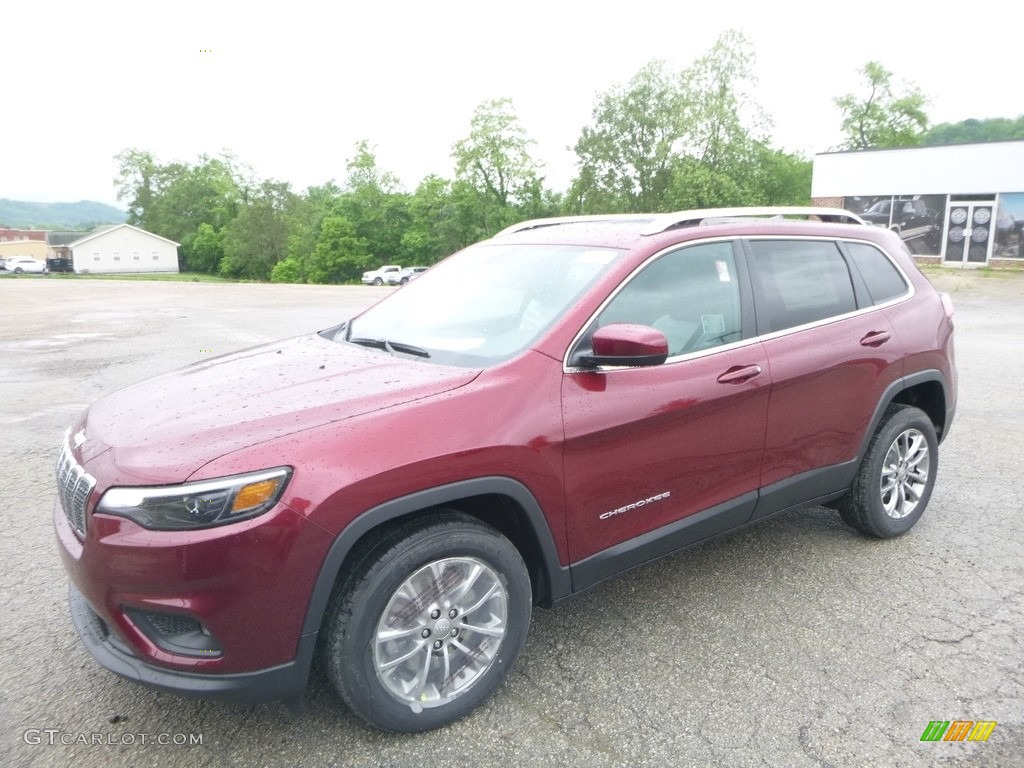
(959, 205)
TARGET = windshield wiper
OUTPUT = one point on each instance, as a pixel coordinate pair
(391, 346)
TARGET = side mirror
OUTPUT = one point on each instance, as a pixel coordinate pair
(625, 344)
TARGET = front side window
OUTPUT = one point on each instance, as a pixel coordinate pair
(483, 305)
(798, 282)
(691, 295)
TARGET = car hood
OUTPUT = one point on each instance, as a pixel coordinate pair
(164, 429)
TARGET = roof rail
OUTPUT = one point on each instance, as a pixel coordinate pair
(554, 221)
(660, 222)
(666, 221)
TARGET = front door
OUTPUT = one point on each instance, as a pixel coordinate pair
(647, 447)
(968, 232)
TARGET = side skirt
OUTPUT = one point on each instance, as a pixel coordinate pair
(806, 490)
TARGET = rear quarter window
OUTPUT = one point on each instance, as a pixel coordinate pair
(884, 282)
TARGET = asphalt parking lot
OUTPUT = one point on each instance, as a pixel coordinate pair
(796, 643)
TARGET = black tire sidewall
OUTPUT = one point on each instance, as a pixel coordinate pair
(352, 662)
(898, 422)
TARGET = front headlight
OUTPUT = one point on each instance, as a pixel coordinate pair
(198, 505)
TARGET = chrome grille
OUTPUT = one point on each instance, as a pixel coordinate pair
(73, 488)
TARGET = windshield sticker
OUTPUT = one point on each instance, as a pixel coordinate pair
(723, 271)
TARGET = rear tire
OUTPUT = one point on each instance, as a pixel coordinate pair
(428, 624)
(896, 477)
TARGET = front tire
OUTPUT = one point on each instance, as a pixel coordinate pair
(896, 477)
(429, 622)
(378, 281)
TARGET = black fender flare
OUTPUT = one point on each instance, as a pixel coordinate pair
(556, 585)
(905, 382)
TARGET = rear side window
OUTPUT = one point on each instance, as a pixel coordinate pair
(798, 282)
(883, 280)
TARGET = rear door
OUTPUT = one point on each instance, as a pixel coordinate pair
(831, 354)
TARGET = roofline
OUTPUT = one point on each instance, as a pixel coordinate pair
(91, 235)
(918, 147)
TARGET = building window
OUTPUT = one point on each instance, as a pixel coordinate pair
(156, 255)
(117, 255)
(135, 255)
(96, 256)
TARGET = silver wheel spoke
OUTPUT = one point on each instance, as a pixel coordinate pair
(421, 683)
(483, 599)
(492, 631)
(469, 582)
(910, 491)
(394, 634)
(403, 657)
(918, 477)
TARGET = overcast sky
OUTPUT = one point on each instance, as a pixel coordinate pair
(289, 87)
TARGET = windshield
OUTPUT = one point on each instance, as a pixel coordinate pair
(483, 305)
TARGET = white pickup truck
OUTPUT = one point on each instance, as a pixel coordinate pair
(379, 276)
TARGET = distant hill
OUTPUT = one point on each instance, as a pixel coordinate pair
(81, 215)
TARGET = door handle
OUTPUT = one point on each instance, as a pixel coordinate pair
(739, 373)
(875, 339)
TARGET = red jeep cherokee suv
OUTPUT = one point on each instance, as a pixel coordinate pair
(563, 402)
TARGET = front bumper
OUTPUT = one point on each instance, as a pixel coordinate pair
(283, 682)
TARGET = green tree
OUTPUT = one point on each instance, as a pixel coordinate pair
(257, 238)
(627, 156)
(339, 256)
(884, 113)
(207, 249)
(723, 123)
(975, 130)
(372, 201)
(288, 270)
(305, 218)
(724, 141)
(781, 178)
(493, 165)
(437, 227)
(136, 182)
(675, 139)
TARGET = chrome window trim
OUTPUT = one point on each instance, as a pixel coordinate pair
(756, 339)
